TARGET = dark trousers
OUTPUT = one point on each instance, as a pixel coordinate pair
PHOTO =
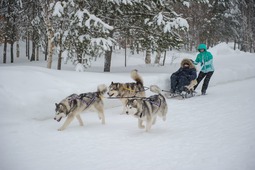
(207, 77)
(178, 82)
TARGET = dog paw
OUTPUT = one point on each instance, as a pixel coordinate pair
(141, 127)
(60, 129)
(147, 130)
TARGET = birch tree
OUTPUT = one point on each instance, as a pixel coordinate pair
(46, 7)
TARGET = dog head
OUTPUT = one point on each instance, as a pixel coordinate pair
(61, 111)
(114, 89)
(133, 106)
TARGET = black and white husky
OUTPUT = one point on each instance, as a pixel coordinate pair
(74, 104)
(147, 109)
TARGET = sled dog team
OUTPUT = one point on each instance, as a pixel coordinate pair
(132, 96)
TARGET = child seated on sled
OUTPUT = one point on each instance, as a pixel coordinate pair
(184, 79)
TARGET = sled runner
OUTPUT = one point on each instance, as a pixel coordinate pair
(183, 95)
(188, 92)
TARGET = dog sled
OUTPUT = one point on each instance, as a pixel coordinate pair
(188, 92)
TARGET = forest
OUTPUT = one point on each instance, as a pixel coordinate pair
(83, 30)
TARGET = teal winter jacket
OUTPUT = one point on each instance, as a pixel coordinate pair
(205, 58)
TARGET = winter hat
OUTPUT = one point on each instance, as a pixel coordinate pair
(201, 46)
(186, 60)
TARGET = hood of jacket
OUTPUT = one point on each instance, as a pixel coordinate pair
(201, 46)
(189, 61)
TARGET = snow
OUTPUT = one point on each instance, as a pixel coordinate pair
(58, 10)
(212, 132)
(97, 22)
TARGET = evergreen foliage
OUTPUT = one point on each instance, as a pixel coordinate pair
(82, 30)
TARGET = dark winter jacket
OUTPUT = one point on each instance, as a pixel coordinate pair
(190, 73)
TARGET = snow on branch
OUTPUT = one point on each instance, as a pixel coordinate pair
(97, 21)
(176, 24)
(58, 9)
(168, 23)
(125, 2)
(102, 42)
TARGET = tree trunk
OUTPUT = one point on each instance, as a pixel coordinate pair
(235, 44)
(107, 62)
(60, 50)
(47, 17)
(33, 49)
(148, 56)
(164, 60)
(12, 54)
(17, 49)
(125, 51)
(46, 50)
(157, 59)
(28, 47)
(50, 36)
(33, 38)
(50, 49)
(5, 49)
(37, 53)
(59, 59)
(137, 48)
(13, 39)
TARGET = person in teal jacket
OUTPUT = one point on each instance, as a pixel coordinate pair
(205, 59)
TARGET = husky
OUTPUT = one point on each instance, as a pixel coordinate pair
(123, 91)
(74, 104)
(147, 109)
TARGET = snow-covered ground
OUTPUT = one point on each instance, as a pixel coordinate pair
(212, 132)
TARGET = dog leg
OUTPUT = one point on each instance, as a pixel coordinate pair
(154, 120)
(140, 124)
(148, 125)
(124, 103)
(78, 116)
(100, 111)
(162, 114)
(67, 122)
(101, 115)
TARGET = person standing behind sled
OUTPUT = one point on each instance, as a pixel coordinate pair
(183, 76)
(205, 59)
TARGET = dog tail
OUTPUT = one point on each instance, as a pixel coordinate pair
(155, 89)
(102, 89)
(135, 76)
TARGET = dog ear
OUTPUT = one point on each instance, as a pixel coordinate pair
(56, 104)
(112, 82)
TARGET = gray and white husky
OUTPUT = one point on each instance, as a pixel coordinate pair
(74, 104)
(148, 108)
(125, 90)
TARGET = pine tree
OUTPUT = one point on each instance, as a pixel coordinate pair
(10, 35)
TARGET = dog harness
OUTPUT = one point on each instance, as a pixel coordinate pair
(72, 100)
(154, 100)
(91, 96)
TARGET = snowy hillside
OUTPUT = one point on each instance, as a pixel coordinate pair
(212, 132)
